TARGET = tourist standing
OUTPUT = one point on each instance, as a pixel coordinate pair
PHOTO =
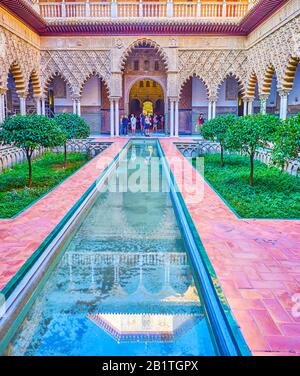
(133, 124)
(155, 123)
(147, 126)
(125, 122)
(142, 122)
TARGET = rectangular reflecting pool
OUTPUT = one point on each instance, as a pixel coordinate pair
(122, 284)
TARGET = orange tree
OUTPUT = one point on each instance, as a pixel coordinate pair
(216, 130)
(73, 126)
(251, 132)
(287, 141)
(29, 133)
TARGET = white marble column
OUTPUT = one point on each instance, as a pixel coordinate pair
(74, 106)
(245, 107)
(209, 113)
(1, 107)
(117, 118)
(38, 106)
(250, 106)
(78, 107)
(23, 105)
(112, 125)
(176, 122)
(214, 109)
(43, 103)
(283, 105)
(263, 105)
(171, 117)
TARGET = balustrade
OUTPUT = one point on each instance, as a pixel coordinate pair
(137, 9)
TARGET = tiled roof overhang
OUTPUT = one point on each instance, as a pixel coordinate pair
(29, 16)
(23, 11)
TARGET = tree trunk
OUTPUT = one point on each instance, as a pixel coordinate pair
(28, 155)
(251, 168)
(222, 155)
(65, 154)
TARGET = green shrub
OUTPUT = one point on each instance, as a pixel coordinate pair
(216, 130)
(73, 126)
(287, 141)
(251, 132)
(29, 133)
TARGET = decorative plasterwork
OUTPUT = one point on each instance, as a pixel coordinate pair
(277, 50)
(212, 66)
(16, 52)
(75, 67)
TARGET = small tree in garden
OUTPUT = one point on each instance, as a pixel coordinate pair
(287, 141)
(73, 126)
(250, 133)
(216, 130)
(29, 133)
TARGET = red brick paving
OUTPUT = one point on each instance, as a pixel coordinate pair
(257, 263)
(21, 236)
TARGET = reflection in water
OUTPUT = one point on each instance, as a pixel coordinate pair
(122, 287)
(144, 327)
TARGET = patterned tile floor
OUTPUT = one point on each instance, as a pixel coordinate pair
(257, 261)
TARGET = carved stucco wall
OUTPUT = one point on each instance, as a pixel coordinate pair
(276, 50)
(212, 60)
(20, 46)
(14, 50)
(75, 67)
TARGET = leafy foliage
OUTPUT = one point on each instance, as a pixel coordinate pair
(29, 133)
(287, 141)
(216, 130)
(274, 195)
(251, 132)
(73, 126)
(48, 171)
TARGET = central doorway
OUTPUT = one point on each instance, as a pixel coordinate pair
(147, 96)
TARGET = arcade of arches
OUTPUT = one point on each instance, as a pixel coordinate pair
(104, 77)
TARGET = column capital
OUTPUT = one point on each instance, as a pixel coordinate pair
(212, 98)
(283, 92)
(173, 98)
(3, 90)
(114, 98)
(248, 99)
(23, 94)
(76, 97)
(263, 97)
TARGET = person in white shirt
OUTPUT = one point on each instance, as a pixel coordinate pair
(133, 124)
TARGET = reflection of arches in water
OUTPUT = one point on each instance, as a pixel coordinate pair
(181, 278)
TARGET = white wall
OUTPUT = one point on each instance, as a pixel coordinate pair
(199, 93)
(271, 102)
(294, 96)
(222, 102)
(91, 94)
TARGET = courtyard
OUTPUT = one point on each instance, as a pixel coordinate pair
(150, 192)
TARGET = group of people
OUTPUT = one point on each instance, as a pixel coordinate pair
(144, 122)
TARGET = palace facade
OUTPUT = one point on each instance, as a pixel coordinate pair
(174, 58)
